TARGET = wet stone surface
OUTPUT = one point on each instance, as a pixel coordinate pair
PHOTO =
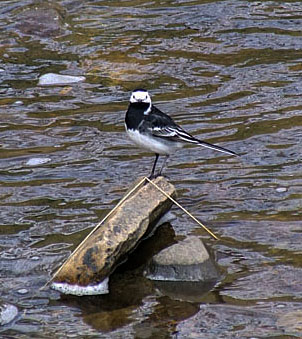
(51, 79)
(186, 261)
(41, 20)
(238, 322)
(8, 313)
(230, 73)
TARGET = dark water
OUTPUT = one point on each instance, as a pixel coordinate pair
(230, 73)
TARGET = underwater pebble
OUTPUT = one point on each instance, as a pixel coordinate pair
(35, 258)
(37, 161)
(18, 103)
(8, 313)
(280, 306)
(58, 79)
(281, 189)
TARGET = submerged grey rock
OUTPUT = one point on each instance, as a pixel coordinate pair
(8, 313)
(188, 260)
(43, 20)
(191, 291)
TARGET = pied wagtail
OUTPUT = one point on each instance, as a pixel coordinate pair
(155, 131)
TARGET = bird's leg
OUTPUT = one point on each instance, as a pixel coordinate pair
(163, 165)
(154, 165)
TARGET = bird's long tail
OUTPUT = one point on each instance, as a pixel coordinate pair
(215, 147)
(189, 138)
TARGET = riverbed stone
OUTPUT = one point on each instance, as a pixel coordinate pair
(37, 161)
(54, 79)
(189, 291)
(291, 322)
(109, 245)
(8, 313)
(187, 260)
(43, 20)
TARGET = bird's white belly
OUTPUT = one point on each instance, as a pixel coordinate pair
(150, 143)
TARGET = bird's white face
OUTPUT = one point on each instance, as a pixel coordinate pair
(140, 96)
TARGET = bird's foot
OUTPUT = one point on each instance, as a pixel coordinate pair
(154, 176)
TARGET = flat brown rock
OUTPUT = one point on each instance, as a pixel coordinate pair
(109, 244)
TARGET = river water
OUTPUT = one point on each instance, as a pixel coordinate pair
(230, 73)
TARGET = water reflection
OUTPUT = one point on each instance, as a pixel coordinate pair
(228, 71)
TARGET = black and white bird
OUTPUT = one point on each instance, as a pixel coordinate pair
(155, 131)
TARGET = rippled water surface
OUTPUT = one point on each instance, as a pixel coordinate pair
(230, 73)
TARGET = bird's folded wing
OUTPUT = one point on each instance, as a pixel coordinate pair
(173, 133)
(176, 133)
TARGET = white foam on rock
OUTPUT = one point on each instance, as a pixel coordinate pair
(101, 288)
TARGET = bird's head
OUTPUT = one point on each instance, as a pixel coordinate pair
(140, 95)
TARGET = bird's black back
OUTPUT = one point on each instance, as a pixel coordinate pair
(159, 119)
(155, 118)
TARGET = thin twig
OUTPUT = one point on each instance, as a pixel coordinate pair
(177, 204)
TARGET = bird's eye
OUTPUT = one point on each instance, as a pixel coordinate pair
(146, 97)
